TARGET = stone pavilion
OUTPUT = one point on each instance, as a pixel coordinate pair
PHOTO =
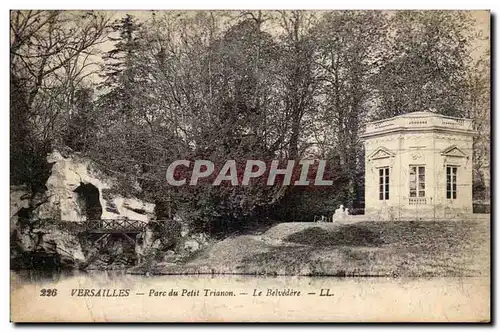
(418, 166)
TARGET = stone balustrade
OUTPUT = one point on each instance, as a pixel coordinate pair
(413, 120)
(417, 200)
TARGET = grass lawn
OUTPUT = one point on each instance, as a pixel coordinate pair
(405, 248)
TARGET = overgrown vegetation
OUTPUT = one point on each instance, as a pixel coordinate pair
(135, 93)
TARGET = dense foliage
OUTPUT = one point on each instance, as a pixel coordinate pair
(136, 93)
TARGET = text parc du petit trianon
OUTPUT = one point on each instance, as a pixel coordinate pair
(205, 170)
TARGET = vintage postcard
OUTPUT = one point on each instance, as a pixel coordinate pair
(250, 166)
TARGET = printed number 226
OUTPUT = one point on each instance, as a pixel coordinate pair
(48, 292)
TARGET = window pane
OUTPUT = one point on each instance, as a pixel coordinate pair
(448, 186)
(454, 171)
(413, 185)
(454, 195)
(421, 185)
(448, 170)
(454, 187)
(413, 193)
(421, 193)
(381, 180)
(448, 194)
(421, 170)
(413, 170)
(387, 172)
(387, 195)
(421, 178)
(381, 172)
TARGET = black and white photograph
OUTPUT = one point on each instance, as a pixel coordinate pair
(250, 166)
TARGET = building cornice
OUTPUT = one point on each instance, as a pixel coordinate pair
(427, 129)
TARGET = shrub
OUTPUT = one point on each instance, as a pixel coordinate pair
(347, 235)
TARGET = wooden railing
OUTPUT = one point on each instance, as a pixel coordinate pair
(118, 225)
(103, 225)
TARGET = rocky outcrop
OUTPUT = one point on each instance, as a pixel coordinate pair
(194, 243)
(147, 245)
(45, 226)
(157, 243)
(117, 254)
(47, 241)
(20, 199)
(78, 191)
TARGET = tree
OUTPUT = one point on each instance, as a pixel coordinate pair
(300, 84)
(47, 48)
(82, 124)
(233, 85)
(349, 49)
(425, 66)
(478, 109)
(121, 77)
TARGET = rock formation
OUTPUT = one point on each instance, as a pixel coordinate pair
(20, 199)
(75, 191)
(46, 240)
(45, 226)
(78, 191)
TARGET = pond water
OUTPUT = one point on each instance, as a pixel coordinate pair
(106, 296)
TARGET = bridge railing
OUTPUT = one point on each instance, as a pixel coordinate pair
(121, 225)
(118, 225)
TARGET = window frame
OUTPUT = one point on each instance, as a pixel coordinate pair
(451, 186)
(384, 183)
(419, 188)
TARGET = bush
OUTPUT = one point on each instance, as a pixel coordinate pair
(348, 235)
(481, 208)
